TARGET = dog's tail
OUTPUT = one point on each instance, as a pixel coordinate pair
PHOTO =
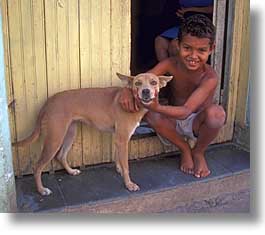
(34, 135)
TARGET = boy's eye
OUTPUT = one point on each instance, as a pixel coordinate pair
(153, 83)
(202, 50)
(138, 83)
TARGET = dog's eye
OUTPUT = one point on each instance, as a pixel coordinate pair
(153, 83)
(138, 83)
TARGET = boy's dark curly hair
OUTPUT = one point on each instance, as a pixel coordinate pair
(199, 26)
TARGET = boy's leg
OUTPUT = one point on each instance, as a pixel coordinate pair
(173, 47)
(206, 126)
(166, 127)
(161, 48)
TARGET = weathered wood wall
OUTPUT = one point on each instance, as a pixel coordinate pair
(219, 20)
(236, 64)
(241, 133)
(243, 74)
(54, 45)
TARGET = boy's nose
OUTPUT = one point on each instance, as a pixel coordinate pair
(194, 54)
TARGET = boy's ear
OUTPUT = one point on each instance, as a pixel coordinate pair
(127, 80)
(163, 80)
(212, 48)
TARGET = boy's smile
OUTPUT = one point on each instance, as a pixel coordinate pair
(194, 51)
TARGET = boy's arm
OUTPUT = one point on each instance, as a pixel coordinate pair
(200, 95)
(162, 67)
(194, 102)
(208, 10)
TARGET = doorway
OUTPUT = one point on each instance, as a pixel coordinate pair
(149, 19)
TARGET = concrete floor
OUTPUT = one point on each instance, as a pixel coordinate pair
(237, 202)
(159, 178)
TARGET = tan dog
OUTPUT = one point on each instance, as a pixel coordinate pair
(94, 106)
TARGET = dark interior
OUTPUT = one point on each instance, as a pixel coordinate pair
(149, 19)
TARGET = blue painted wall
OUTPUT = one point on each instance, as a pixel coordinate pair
(7, 182)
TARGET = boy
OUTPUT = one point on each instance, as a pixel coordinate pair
(191, 112)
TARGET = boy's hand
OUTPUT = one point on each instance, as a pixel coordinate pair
(127, 101)
(180, 12)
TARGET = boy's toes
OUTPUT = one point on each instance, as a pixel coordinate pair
(205, 173)
(197, 174)
(190, 171)
(202, 174)
(186, 170)
(183, 169)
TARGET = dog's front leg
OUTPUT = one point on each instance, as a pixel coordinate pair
(122, 165)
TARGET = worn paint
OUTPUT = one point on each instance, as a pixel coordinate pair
(58, 45)
(7, 182)
(64, 44)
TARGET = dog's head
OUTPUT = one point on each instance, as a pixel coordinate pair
(145, 85)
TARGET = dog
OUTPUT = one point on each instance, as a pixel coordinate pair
(93, 106)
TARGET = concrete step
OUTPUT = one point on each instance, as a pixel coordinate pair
(99, 189)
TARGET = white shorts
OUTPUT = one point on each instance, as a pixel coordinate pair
(184, 127)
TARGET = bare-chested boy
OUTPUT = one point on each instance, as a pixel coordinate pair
(191, 112)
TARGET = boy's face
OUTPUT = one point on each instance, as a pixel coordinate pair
(194, 51)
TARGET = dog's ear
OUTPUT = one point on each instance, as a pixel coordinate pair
(163, 80)
(127, 80)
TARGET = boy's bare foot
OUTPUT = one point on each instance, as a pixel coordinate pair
(186, 163)
(200, 165)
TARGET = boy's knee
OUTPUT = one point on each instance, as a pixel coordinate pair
(215, 116)
(173, 47)
(161, 42)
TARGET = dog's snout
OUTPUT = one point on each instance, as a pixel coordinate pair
(146, 92)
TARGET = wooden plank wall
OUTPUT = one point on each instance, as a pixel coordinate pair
(54, 45)
(241, 134)
(243, 83)
(236, 56)
(219, 21)
(24, 47)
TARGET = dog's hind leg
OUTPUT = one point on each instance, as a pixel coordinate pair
(67, 144)
(52, 144)
(48, 153)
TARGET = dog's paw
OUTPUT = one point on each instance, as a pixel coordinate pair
(45, 192)
(118, 169)
(74, 172)
(132, 187)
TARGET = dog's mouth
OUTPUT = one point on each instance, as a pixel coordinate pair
(146, 100)
(146, 96)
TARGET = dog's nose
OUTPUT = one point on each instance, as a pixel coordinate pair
(146, 92)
